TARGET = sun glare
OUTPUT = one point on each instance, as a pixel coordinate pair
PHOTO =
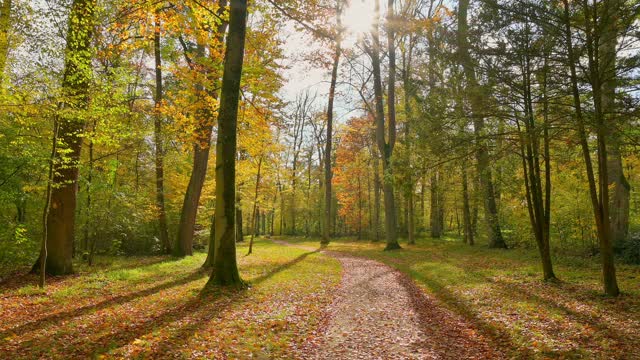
(358, 19)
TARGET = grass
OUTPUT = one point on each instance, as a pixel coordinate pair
(154, 308)
(501, 292)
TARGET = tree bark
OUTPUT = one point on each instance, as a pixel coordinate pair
(466, 209)
(599, 192)
(255, 207)
(482, 156)
(211, 251)
(538, 197)
(386, 148)
(188, 215)
(376, 195)
(436, 208)
(408, 94)
(620, 201)
(225, 271)
(239, 229)
(159, 151)
(328, 173)
(75, 87)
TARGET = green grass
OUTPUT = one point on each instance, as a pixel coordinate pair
(501, 292)
(144, 307)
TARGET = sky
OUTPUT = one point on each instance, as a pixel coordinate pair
(302, 76)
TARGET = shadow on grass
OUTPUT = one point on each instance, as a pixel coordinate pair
(197, 309)
(118, 300)
(624, 339)
(282, 267)
(138, 263)
(500, 337)
(24, 278)
(199, 319)
(520, 292)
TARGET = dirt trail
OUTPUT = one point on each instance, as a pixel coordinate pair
(379, 313)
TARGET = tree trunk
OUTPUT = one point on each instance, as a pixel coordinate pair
(386, 148)
(408, 93)
(225, 271)
(538, 198)
(255, 207)
(482, 156)
(376, 196)
(328, 173)
(87, 222)
(599, 194)
(159, 151)
(188, 215)
(621, 188)
(211, 251)
(466, 209)
(239, 230)
(435, 212)
(75, 86)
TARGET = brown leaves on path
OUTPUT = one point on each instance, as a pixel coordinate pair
(379, 313)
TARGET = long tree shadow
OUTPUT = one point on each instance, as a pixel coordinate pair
(282, 267)
(141, 263)
(622, 338)
(117, 300)
(181, 336)
(24, 278)
(515, 290)
(435, 319)
(85, 346)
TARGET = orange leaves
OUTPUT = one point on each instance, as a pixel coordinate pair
(352, 170)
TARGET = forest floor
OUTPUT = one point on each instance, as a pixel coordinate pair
(467, 295)
(436, 300)
(379, 313)
(154, 308)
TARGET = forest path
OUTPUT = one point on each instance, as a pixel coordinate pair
(380, 313)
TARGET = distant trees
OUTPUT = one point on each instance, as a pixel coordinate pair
(515, 115)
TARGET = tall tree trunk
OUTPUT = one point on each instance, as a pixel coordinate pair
(599, 192)
(620, 200)
(482, 155)
(435, 212)
(408, 93)
(159, 153)
(75, 88)
(239, 229)
(328, 173)
(189, 213)
(466, 209)
(255, 207)
(386, 147)
(538, 198)
(87, 222)
(211, 251)
(376, 196)
(225, 265)
(45, 212)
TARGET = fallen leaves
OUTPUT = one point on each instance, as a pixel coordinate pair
(157, 311)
